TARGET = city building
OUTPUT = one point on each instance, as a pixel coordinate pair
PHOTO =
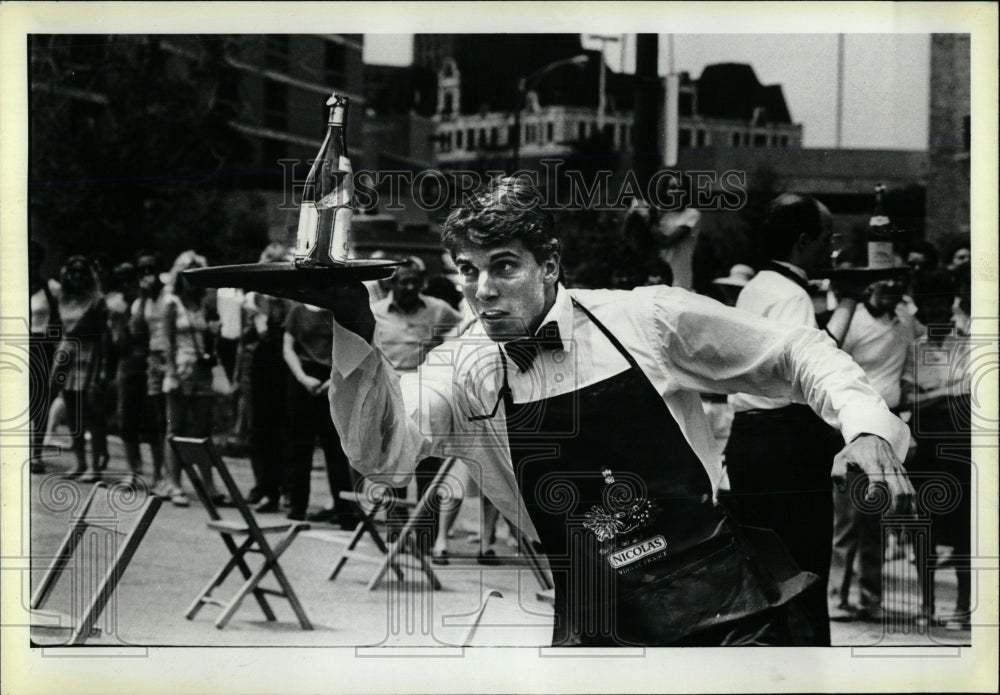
(477, 97)
(253, 100)
(949, 138)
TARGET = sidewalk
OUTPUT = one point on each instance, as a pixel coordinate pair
(179, 556)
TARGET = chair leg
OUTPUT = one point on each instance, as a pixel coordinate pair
(425, 566)
(65, 552)
(536, 565)
(114, 573)
(235, 561)
(341, 560)
(279, 575)
(270, 565)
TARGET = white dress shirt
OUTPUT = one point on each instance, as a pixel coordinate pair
(778, 298)
(684, 343)
(883, 347)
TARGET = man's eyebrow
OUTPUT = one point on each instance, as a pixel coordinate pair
(503, 254)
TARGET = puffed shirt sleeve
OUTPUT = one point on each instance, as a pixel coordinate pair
(708, 346)
(387, 422)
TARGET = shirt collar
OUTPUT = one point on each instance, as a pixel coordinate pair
(395, 307)
(795, 269)
(562, 313)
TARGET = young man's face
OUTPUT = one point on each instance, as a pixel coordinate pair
(509, 291)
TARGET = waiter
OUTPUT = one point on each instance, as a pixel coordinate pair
(581, 412)
(780, 453)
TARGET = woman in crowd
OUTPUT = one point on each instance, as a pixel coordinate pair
(150, 338)
(80, 370)
(187, 382)
(130, 376)
(44, 308)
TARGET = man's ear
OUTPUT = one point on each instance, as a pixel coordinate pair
(801, 242)
(550, 268)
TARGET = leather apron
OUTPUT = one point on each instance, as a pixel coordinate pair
(681, 566)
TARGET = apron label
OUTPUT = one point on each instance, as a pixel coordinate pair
(634, 553)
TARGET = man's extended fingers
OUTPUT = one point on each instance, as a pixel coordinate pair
(885, 474)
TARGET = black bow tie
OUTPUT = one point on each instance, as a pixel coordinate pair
(523, 351)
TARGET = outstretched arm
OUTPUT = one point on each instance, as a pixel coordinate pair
(711, 347)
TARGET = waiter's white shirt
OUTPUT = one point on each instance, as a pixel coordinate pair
(684, 343)
(778, 298)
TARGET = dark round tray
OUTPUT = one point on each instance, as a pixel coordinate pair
(864, 274)
(264, 277)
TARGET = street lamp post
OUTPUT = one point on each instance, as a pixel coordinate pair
(522, 91)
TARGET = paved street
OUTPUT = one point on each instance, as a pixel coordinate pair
(179, 556)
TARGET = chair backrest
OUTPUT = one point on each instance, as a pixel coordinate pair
(193, 451)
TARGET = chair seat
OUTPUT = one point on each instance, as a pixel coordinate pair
(238, 527)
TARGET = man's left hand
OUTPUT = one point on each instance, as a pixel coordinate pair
(874, 456)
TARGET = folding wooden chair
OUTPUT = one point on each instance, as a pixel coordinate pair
(526, 556)
(192, 451)
(391, 550)
(79, 528)
(366, 525)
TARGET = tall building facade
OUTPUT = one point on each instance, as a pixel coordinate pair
(948, 191)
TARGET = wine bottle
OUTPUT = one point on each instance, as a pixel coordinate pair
(880, 253)
(324, 231)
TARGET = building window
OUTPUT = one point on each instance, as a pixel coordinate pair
(470, 138)
(550, 131)
(784, 141)
(334, 64)
(276, 53)
(685, 104)
(746, 139)
(494, 136)
(482, 138)
(760, 140)
(275, 105)
(736, 139)
(701, 138)
(684, 138)
(581, 130)
(458, 139)
(511, 135)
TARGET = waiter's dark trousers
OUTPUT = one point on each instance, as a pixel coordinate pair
(779, 465)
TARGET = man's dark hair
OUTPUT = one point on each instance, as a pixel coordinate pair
(148, 253)
(789, 216)
(928, 251)
(505, 209)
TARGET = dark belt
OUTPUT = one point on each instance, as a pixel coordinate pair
(794, 410)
